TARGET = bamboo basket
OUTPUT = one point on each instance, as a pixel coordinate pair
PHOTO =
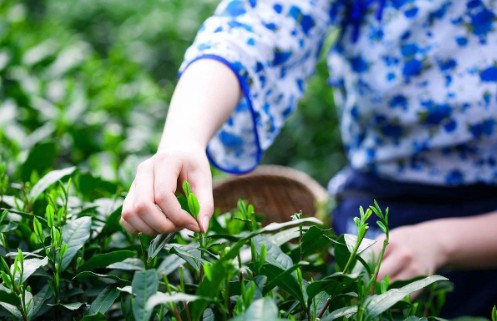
(275, 191)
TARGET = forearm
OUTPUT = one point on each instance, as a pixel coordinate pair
(468, 242)
(205, 96)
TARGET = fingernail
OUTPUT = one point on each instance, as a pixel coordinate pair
(193, 227)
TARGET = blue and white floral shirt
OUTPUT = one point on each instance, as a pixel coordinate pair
(415, 81)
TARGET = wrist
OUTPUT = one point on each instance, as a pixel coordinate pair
(443, 239)
(181, 145)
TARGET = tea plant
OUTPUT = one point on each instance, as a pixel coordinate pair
(65, 257)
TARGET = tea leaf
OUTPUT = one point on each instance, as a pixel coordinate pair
(104, 300)
(144, 285)
(95, 317)
(351, 240)
(89, 274)
(164, 298)
(158, 244)
(130, 264)
(104, 260)
(170, 264)
(186, 188)
(12, 310)
(8, 297)
(346, 312)
(70, 306)
(38, 300)
(75, 233)
(210, 288)
(333, 284)
(284, 278)
(208, 315)
(378, 304)
(48, 180)
(10, 226)
(193, 205)
(30, 266)
(274, 255)
(260, 310)
(192, 257)
(40, 158)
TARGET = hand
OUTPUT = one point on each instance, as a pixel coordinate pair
(151, 206)
(412, 251)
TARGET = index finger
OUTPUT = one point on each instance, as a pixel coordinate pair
(166, 173)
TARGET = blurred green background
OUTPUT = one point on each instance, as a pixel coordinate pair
(88, 83)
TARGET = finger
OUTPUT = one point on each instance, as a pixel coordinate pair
(128, 227)
(202, 187)
(138, 225)
(144, 205)
(129, 217)
(166, 173)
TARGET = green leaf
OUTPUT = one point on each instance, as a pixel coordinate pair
(351, 240)
(208, 315)
(260, 310)
(104, 260)
(158, 244)
(130, 264)
(95, 317)
(8, 297)
(30, 266)
(334, 284)
(12, 310)
(210, 287)
(164, 298)
(38, 301)
(186, 188)
(9, 227)
(75, 233)
(341, 252)
(40, 158)
(278, 226)
(193, 205)
(285, 236)
(70, 306)
(183, 202)
(274, 255)
(90, 274)
(48, 180)
(104, 300)
(95, 187)
(340, 313)
(144, 285)
(170, 264)
(283, 278)
(192, 257)
(378, 304)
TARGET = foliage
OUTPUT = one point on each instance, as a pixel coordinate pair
(95, 77)
(65, 258)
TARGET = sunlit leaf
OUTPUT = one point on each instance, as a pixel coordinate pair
(48, 180)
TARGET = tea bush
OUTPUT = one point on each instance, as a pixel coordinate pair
(66, 257)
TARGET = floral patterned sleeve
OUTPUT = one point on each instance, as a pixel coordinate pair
(272, 47)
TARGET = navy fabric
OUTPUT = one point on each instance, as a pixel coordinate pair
(475, 292)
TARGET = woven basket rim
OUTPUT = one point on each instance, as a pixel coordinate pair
(278, 171)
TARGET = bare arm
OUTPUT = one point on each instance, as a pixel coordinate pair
(205, 96)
